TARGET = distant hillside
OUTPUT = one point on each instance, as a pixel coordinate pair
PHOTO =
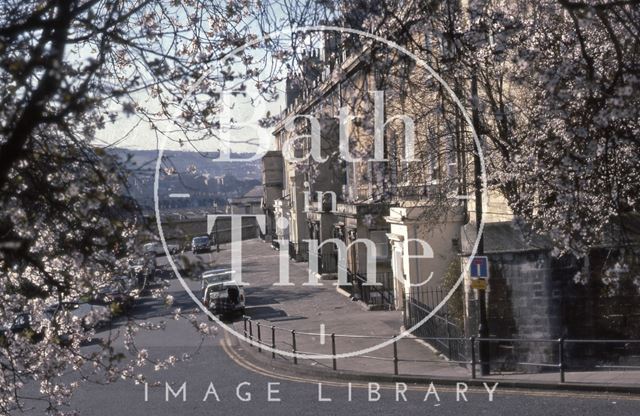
(144, 161)
(205, 181)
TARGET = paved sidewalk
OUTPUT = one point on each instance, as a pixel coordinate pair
(312, 310)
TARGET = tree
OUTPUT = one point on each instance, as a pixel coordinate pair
(68, 68)
(557, 96)
(575, 132)
(557, 101)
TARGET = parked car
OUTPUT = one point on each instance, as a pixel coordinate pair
(222, 295)
(214, 276)
(157, 248)
(201, 243)
(90, 315)
(121, 292)
(143, 270)
(22, 324)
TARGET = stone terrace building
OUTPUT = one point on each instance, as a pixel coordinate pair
(397, 201)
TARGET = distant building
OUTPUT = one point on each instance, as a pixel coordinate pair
(273, 181)
(249, 203)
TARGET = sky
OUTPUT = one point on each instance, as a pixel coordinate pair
(140, 136)
(129, 131)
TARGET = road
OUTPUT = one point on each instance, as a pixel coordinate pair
(217, 383)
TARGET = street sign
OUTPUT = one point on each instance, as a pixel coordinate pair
(479, 267)
(480, 284)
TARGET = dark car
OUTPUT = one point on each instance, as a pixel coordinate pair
(201, 243)
(21, 325)
(121, 293)
(91, 315)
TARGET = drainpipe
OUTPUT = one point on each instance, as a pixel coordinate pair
(415, 259)
(483, 325)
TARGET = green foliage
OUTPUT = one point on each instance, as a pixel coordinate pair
(117, 309)
(455, 305)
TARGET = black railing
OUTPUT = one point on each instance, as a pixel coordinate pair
(327, 261)
(379, 294)
(448, 337)
(301, 345)
(429, 297)
(292, 250)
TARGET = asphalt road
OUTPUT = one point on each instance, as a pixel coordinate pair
(243, 390)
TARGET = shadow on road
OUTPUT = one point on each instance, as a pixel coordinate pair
(264, 312)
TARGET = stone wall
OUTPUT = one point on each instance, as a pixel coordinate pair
(533, 295)
(524, 302)
(182, 231)
(523, 297)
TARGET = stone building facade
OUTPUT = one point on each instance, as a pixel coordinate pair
(398, 202)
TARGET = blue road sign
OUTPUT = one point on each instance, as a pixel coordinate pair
(479, 267)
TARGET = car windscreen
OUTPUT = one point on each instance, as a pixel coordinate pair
(216, 287)
(200, 240)
(218, 278)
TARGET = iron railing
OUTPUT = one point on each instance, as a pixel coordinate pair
(283, 339)
(430, 297)
(327, 261)
(448, 337)
(380, 294)
(292, 250)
